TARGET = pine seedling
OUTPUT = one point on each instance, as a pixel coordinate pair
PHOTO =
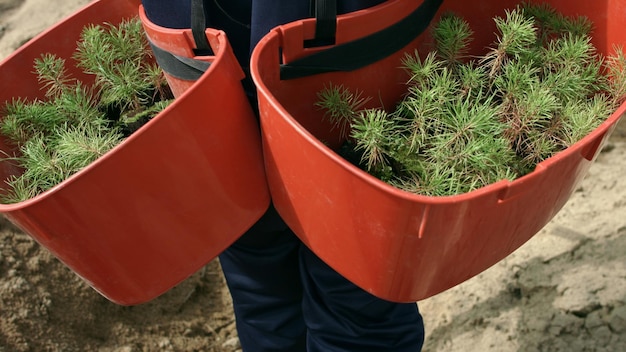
(473, 80)
(616, 75)
(78, 124)
(432, 180)
(71, 101)
(421, 70)
(464, 125)
(453, 36)
(412, 117)
(579, 26)
(52, 74)
(468, 141)
(133, 121)
(581, 118)
(572, 67)
(79, 106)
(420, 112)
(552, 24)
(44, 167)
(24, 120)
(537, 146)
(47, 162)
(513, 83)
(527, 110)
(340, 106)
(117, 57)
(82, 146)
(19, 191)
(462, 122)
(160, 89)
(517, 35)
(19, 122)
(371, 131)
(545, 18)
(444, 85)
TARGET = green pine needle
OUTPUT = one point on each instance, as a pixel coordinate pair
(419, 69)
(79, 147)
(52, 74)
(371, 130)
(516, 37)
(18, 190)
(453, 36)
(340, 106)
(78, 124)
(468, 122)
(616, 64)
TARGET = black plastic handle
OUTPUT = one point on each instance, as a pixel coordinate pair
(360, 53)
(198, 27)
(325, 12)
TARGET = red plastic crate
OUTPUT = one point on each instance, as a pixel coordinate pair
(165, 201)
(394, 244)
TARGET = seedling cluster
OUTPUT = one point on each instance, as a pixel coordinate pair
(77, 123)
(466, 122)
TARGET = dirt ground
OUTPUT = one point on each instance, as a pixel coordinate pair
(565, 290)
(46, 307)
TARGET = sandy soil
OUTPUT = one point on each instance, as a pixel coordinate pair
(565, 290)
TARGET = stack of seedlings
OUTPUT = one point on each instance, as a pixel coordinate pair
(467, 122)
(77, 123)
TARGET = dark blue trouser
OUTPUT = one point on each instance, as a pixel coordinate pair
(285, 298)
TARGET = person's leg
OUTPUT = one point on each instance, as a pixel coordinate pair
(341, 317)
(261, 267)
(168, 13)
(262, 273)
(267, 14)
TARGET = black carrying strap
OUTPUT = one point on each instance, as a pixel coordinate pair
(198, 28)
(186, 68)
(180, 67)
(325, 13)
(363, 51)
